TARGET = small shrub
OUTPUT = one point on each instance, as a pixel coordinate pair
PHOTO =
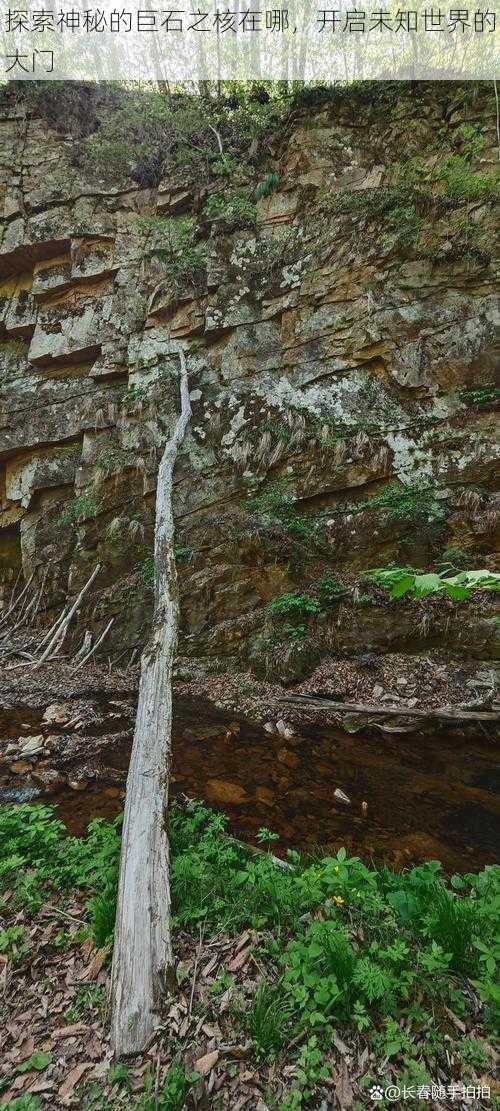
(293, 604)
(453, 923)
(234, 207)
(279, 506)
(173, 1093)
(183, 553)
(24, 1103)
(453, 559)
(472, 140)
(462, 184)
(14, 942)
(82, 508)
(329, 590)
(409, 505)
(174, 243)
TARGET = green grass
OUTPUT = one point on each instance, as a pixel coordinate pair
(82, 508)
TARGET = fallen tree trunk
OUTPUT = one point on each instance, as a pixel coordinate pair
(312, 702)
(142, 956)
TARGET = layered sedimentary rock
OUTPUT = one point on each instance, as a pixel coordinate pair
(335, 347)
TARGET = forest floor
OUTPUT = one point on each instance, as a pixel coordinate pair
(299, 986)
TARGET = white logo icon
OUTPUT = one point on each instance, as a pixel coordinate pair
(376, 1092)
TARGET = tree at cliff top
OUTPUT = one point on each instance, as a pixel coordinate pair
(142, 955)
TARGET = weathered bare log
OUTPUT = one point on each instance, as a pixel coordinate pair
(312, 702)
(142, 957)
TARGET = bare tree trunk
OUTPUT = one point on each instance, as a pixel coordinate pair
(142, 955)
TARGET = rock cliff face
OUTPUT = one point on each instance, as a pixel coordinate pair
(340, 340)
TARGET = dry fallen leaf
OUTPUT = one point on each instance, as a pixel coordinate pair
(343, 1087)
(70, 1031)
(207, 1062)
(240, 960)
(93, 969)
(67, 1087)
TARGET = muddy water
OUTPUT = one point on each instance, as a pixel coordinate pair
(411, 797)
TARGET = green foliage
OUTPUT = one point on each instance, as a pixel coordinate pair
(173, 1093)
(183, 553)
(404, 580)
(481, 396)
(102, 913)
(210, 873)
(267, 186)
(14, 942)
(234, 206)
(174, 242)
(147, 571)
(297, 607)
(24, 1103)
(279, 430)
(471, 1052)
(88, 995)
(269, 1019)
(329, 590)
(391, 207)
(119, 1073)
(293, 604)
(410, 505)
(278, 506)
(309, 1072)
(33, 842)
(38, 1061)
(82, 508)
(472, 140)
(462, 184)
(453, 559)
(342, 943)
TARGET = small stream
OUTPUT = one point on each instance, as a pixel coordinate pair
(394, 797)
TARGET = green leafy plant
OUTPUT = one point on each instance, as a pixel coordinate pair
(342, 944)
(119, 1073)
(329, 590)
(24, 1103)
(267, 186)
(293, 604)
(88, 995)
(234, 207)
(147, 571)
(14, 942)
(173, 1093)
(279, 506)
(82, 508)
(409, 505)
(38, 1061)
(472, 140)
(481, 396)
(452, 559)
(183, 553)
(462, 184)
(404, 580)
(174, 241)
